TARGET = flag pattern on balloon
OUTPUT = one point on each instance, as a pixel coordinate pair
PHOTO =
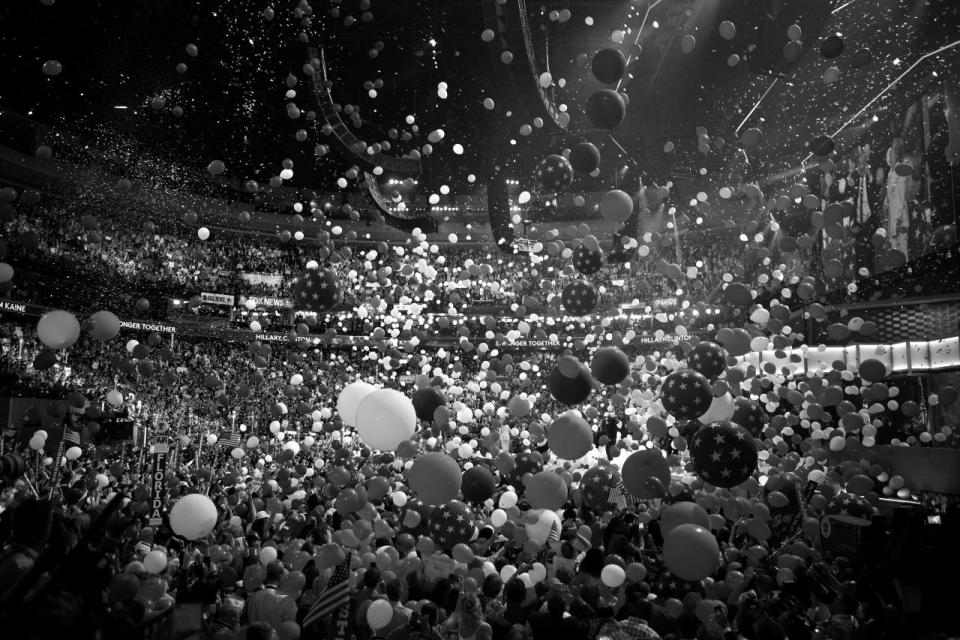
(686, 394)
(724, 454)
(670, 586)
(579, 297)
(554, 173)
(315, 290)
(596, 487)
(587, 261)
(851, 509)
(335, 595)
(451, 524)
(708, 358)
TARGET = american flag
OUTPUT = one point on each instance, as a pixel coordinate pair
(335, 595)
(231, 440)
(71, 437)
(554, 535)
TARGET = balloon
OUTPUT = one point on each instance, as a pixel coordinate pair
(267, 555)
(579, 298)
(708, 358)
(498, 518)
(435, 477)
(554, 173)
(636, 572)
(683, 513)
(616, 206)
(586, 260)
(691, 552)
(58, 329)
(104, 326)
(518, 406)
(613, 576)
(290, 630)
(748, 414)
(686, 394)
(379, 614)
(546, 490)
(385, 418)
(478, 484)
(724, 454)
(721, 408)
(570, 390)
(584, 158)
(349, 401)
(570, 436)
(610, 365)
(609, 66)
(606, 109)
(155, 561)
(872, 370)
(646, 473)
(596, 485)
(114, 398)
(315, 290)
(451, 524)
(193, 516)
(426, 401)
(688, 43)
(539, 525)
(728, 31)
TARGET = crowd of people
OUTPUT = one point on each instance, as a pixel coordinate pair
(301, 491)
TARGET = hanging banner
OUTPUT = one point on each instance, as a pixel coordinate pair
(216, 298)
(158, 473)
(148, 326)
(266, 301)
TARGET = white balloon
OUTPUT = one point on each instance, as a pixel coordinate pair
(349, 401)
(721, 408)
(385, 418)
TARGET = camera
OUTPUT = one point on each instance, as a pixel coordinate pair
(12, 466)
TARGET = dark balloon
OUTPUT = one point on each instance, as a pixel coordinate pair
(478, 484)
(585, 157)
(554, 173)
(570, 390)
(831, 47)
(608, 66)
(610, 365)
(580, 297)
(686, 394)
(426, 401)
(724, 454)
(822, 146)
(708, 358)
(606, 109)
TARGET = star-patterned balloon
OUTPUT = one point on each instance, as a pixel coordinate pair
(555, 173)
(850, 509)
(724, 454)
(749, 415)
(587, 261)
(451, 524)
(525, 462)
(580, 297)
(708, 358)
(315, 290)
(670, 586)
(600, 488)
(686, 394)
